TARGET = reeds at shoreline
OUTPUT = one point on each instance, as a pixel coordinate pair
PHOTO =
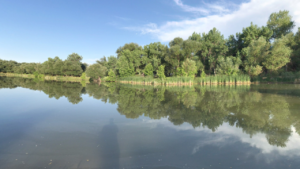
(187, 81)
(47, 77)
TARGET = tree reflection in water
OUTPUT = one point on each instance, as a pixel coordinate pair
(201, 106)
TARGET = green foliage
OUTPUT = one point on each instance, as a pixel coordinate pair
(255, 55)
(148, 70)
(41, 76)
(125, 68)
(189, 67)
(279, 55)
(214, 45)
(36, 74)
(161, 72)
(203, 75)
(71, 68)
(253, 32)
(180, 72)
(96, 71)
(280, 23)
(83, 76)
(7, 66)
(74, 57)
(109, 63)
(111, 76)
(128, 46)
(155, 54)
(228, 66)
(253, 70)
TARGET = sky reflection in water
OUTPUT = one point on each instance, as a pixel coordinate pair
(66, 125)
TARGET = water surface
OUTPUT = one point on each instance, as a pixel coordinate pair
(69, 125)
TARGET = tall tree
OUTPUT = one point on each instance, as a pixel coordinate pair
(214, 45)
(175, 54)
(156, 53)
(74, 57)
(71, 68)
(124, 67)
(279, 55)
(255, 55)
(148, 70)
(294, 44)
(190, 68)
(128, 46)
(253, 32)
(280, 23)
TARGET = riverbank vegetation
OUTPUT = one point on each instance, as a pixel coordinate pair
(269, 53)
(42, 77)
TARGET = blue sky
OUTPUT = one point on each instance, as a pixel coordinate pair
(33, 30)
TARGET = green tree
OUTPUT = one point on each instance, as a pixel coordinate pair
(124, 68)
(189, 67)
(109, 62)
(128, 46)
(74, 57)
(148, 70)
(111, 76)
(255, 55)
(173, 58)
(71, 68)
(294, 44)
(214, 45)
(228, 66)
(253, 32)
(156, 53)
(58, 67)
(175, 54)
(180, 72)
(161, 72)
(8, 66)
(280, 23)
(195, 37)
(279, 55)
(190, 48)
(96, 71)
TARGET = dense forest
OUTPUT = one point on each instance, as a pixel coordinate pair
(259, 110)
(272, 49)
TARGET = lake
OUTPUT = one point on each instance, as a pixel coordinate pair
(60, 125)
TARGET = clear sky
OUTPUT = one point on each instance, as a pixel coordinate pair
(33, 30)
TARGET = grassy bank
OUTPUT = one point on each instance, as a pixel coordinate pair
(185, 81)
(43, 77)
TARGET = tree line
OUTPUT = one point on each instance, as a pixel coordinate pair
(269, 49)
(72, 66)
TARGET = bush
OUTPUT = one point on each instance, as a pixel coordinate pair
(111, 76)
(161, 72)
(36, 74)
(83, 76)
(148, 70)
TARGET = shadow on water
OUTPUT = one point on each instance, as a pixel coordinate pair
(109, 146)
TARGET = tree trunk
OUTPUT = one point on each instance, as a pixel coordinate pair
(99, 79)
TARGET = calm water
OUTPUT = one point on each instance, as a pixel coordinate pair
(69, 125)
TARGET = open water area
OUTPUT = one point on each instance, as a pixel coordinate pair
(62, 125)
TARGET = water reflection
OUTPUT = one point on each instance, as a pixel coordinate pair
(254, 109)
(109, 146)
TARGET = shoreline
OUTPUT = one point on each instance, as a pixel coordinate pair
(47, 77)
